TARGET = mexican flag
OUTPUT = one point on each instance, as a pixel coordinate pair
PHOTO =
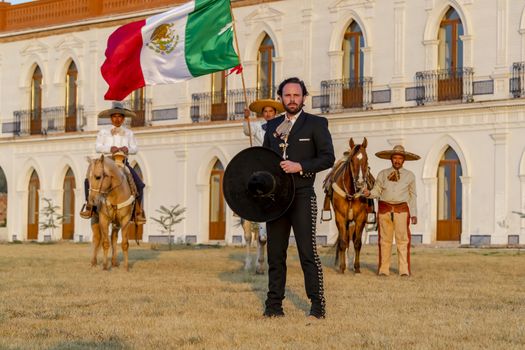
(187, 41)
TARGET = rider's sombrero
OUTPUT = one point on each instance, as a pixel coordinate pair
(116, 107)
(399, 150)
(258, 106)
(255, 187)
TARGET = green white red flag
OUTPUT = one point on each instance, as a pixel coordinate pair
(187, 41)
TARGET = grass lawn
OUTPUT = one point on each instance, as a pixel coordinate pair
(201, 298)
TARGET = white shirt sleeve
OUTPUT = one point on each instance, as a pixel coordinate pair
(104, 141)
(132, 142)
(256, 130)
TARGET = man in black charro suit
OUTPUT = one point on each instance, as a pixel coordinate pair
(306, 145)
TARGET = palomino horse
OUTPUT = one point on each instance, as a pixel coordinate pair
(348, 179)
(254, 232)
(109, 190)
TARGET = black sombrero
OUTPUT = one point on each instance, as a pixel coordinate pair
(255, 187)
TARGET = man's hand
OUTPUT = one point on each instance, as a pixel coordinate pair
(413, 220)
(113, 149)
(366, 192)
(246, 113)
(291, 167)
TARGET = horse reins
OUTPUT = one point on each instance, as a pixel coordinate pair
(101, 181)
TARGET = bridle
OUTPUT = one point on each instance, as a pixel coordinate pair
(355, 184)
(99, 190)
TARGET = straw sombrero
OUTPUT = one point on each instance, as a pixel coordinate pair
(400, 150)
(258, 105)
(116, 107)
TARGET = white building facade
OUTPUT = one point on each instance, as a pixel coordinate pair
(444, 78)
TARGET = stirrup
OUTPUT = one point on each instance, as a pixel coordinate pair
(85, 212)
(140, 221)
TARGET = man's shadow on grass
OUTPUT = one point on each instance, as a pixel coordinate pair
(259, 283)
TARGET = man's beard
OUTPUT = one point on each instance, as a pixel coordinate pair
(295, 109)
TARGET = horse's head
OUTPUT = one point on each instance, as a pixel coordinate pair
(99, 180)
(358, 163)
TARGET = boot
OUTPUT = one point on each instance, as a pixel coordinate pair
(140, 219)
(87, 211)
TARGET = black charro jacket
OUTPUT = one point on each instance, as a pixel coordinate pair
(309, 143)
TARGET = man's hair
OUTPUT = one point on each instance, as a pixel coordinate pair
(293, 80)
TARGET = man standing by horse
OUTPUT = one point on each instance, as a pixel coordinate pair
(305, 143)
(118, 141)
(396, 189)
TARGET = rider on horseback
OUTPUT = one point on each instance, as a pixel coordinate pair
(118, 141)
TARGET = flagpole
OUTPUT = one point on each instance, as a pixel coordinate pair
(242, 75)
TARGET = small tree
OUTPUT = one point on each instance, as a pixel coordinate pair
(168, 218)
(51, 216)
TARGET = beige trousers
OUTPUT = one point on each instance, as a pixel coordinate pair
(387, 230)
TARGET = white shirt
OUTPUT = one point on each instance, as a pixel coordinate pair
(257, 131)
(118, 137)
(395, 192)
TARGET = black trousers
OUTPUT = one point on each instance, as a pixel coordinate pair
(301, 216)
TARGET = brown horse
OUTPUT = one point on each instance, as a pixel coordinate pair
(110, 192)
(349, 177)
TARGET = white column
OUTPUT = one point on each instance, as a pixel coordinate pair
(466, 193)
(203, 216)
(399, 40)
(336, 64)
(522, 34)
(431, 54)
(522, 208)
(181, 161)
(398, 82)
(500, 187)
(307, 14)
(501, 70)
(429, 210)
(18, 212)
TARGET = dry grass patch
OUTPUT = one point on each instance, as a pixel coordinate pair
(201, 298)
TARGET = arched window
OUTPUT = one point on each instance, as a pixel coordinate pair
(450, 44)
(71, 97)
(217, 203)
(450, 59)
(68, 207)
(353, 60)
(138, 105)
(32, 206)
(36, 102)
(266, 69)
(449, 197)
(3, 199)
(219, 86)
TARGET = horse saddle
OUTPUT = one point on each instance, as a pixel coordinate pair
(255, 187)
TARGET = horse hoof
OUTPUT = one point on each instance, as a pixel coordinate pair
(357, 271)
(259, 272)
(116, 264)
